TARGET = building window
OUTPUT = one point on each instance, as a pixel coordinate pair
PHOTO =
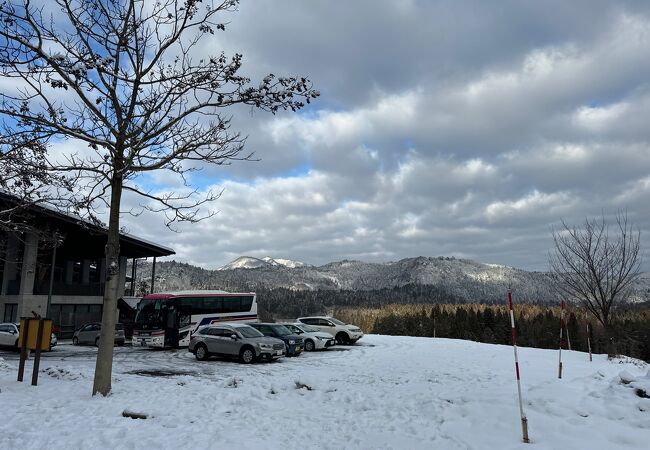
(11, 311)
(70, 317)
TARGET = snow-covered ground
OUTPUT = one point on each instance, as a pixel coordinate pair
(383, 393)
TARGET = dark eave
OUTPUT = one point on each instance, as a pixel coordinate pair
(84, 238)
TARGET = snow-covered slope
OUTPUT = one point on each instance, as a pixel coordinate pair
(249, 262)
(283, 262)
(464, 279)
(384, 393)
(245, 262)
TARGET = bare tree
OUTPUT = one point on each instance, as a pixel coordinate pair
(597, 266)
(27, 180)
(128, 79)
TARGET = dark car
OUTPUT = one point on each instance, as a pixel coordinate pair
(293, 342)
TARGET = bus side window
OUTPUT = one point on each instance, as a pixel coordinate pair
(213, 305)
(232, 304)
(192, 305)
(246, 303)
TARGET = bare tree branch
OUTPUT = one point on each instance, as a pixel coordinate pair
(596, 266)
(127, 79)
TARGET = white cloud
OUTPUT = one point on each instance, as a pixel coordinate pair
(444, 128)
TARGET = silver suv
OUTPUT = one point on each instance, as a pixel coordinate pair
(235, 340)
(89, 334)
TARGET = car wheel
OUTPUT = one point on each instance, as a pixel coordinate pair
(201, 352)
(309, 345)
(247, 355)
(342, 338)
(75, 340)
(96, 342)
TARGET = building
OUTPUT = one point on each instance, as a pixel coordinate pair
(75, 283)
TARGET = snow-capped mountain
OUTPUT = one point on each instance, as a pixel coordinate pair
(249, 262)
(464, 279)
(283, 262)
(245, 262)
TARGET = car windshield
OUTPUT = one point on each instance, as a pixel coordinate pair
(249, 332)
(307, 328)
(281, 330)
(338, 322)
(149, 313)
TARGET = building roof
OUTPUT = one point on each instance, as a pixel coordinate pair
(82, 238)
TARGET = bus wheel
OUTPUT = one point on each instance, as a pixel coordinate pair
(201, 352)
(247, 355)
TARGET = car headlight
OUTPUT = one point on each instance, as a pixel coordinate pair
(321, 338)
(266, 346)
(292, 342)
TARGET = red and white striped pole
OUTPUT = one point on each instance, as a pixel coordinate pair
(588, 336)
(566, 328)
(524, 420)
(559, 373)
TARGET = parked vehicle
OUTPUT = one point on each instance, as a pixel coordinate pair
(235, 340)
(90, 332)
(9, 336)
(293, 342)
(168, 319)
(344, 333)
(312, 338)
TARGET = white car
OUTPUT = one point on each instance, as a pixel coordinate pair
(9, 335)
(313, 339)
(343, 333)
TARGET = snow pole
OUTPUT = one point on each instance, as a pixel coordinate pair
(568, 338)
(524, 420)
(588, 336)
(559, 373)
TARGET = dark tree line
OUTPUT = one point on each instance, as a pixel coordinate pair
(285, 303)
(491, 324)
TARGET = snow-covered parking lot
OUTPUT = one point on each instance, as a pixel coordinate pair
(385, 392)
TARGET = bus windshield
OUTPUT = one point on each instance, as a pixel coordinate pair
(149, 314)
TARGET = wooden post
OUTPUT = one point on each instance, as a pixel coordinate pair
(37, 356)
(23, 349)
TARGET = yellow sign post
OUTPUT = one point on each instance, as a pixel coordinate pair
(34, 335)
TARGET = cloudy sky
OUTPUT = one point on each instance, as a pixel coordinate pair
(464, 128)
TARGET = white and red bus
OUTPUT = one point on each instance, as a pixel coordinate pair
(168, 319)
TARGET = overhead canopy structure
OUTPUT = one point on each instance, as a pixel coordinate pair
(82, 239)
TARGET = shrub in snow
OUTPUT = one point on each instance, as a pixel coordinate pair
(134, 415)
(300, 385)
(234, 382)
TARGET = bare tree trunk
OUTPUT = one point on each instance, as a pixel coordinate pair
(104, 364)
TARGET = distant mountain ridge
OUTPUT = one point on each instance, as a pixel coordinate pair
(465, 279)
(249, 262)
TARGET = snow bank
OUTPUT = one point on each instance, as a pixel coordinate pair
(384, 393)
